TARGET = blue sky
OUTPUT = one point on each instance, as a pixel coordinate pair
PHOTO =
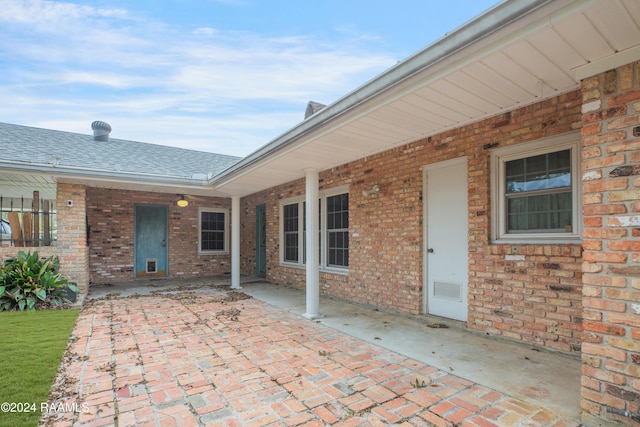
(223, 76)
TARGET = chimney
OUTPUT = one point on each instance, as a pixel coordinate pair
(312, 108)
(101, 130)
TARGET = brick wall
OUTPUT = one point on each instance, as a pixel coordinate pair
(535, 299)
(611, 291)
(110, 216)
(248, 236)
(70, 247)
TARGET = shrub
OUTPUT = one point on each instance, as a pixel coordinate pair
(27, 282)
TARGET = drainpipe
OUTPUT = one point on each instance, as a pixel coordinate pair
(313, 272)
(235, 242)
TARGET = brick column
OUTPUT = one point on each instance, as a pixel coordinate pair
(71, 245)
(611, 259)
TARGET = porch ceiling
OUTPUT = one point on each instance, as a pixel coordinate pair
(525, 51)
(22, 185)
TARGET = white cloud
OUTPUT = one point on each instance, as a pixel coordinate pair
(67, 65)
(48, 13)
(112, 80)
(205, 31)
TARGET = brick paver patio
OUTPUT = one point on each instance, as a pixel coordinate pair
(220, 359)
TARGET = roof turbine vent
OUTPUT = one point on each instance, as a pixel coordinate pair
(101, 130)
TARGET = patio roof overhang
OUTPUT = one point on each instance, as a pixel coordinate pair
(517, 53)
(20, 179)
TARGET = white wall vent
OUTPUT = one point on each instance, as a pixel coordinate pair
(448, 290)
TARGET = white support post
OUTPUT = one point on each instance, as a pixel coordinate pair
(313, 272)
(235, 242)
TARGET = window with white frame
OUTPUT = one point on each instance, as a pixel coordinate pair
(337, 230)
(333, 231)
(537, 191)
(213, 232)
(291, 232)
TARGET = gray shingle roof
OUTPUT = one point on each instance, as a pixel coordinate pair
(32, 145)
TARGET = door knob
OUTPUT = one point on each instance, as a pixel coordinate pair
(430, 250)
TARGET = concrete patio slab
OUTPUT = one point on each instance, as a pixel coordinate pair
(199, 354)
(547, 378)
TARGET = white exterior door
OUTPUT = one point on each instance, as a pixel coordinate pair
(446, 239)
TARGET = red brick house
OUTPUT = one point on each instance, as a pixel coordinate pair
(492, 178)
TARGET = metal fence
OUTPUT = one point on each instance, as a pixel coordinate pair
(29, 222)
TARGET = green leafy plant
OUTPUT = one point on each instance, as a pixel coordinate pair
(418, 384)
(27, 282)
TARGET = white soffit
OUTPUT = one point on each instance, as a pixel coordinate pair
(533, 58)
(22, 185)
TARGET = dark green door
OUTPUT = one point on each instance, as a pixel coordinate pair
(150, 240)
(261, 241)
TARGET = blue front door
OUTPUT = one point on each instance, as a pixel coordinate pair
(150, 240)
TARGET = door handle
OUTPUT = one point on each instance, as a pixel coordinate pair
(164, 243)
(430, 250)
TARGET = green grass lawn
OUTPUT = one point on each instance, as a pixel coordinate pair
(31, 348)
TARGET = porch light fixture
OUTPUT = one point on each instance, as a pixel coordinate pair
(373, 192)
(182, 202)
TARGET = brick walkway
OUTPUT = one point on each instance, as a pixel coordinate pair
(218, 359)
